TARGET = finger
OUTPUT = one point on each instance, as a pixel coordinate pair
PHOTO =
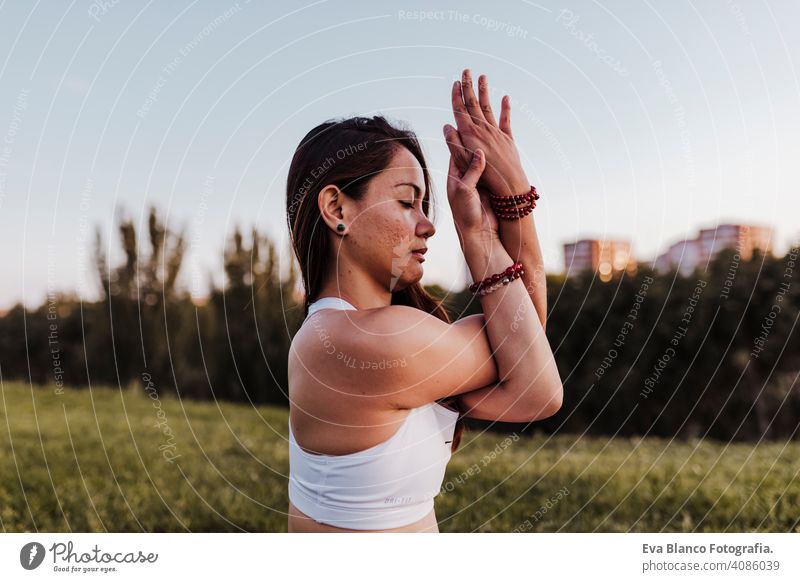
(459, 111)
(473, 173)
(454, 183)
(483, 97)
(453, 175)
(456, 147)
(470, 101)
(505, 116)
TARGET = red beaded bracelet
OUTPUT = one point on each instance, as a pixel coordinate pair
(507, 207)
(491, 283)
(495, 286)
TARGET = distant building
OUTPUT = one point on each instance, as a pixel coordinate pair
(683, 255)
(605, 257)
(687, 255)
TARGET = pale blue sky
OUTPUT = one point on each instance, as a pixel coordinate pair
(638, 120)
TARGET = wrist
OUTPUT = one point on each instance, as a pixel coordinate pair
(480, 241)
(511, 187)
(485, 257)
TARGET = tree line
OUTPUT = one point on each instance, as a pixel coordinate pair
(715, 354)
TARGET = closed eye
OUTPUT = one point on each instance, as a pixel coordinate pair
(407, 205)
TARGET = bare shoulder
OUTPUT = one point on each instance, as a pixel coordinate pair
(402, 356)
(366, 334)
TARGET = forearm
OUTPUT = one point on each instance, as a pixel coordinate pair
(513, 329)
(521, 242)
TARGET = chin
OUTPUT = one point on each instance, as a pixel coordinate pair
(406, 282)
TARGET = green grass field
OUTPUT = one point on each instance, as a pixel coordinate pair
(99, 461)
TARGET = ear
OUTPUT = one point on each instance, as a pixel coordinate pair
(333, 208)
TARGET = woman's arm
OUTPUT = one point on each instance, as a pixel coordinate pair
(506, 352)
(521, 241)
(504, 175)
(525, 363)
(491, 402)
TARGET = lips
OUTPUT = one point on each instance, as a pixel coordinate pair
(418, 254)
(421, 251)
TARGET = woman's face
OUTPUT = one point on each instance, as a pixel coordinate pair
(390, 223)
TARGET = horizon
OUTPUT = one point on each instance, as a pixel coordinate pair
(201, 300)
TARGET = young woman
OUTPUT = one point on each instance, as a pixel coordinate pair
(379, 378)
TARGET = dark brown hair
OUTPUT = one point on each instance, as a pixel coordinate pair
(348, 153)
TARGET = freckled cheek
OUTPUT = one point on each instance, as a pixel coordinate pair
(399, 237)
(389, 231)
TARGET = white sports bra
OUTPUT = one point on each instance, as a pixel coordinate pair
(389, 485)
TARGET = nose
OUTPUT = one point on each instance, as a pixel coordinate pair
(425, 228)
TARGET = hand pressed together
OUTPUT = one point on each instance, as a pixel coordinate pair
(477, 128)
(472, 213)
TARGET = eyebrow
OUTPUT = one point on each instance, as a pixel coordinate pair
(416, 188)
